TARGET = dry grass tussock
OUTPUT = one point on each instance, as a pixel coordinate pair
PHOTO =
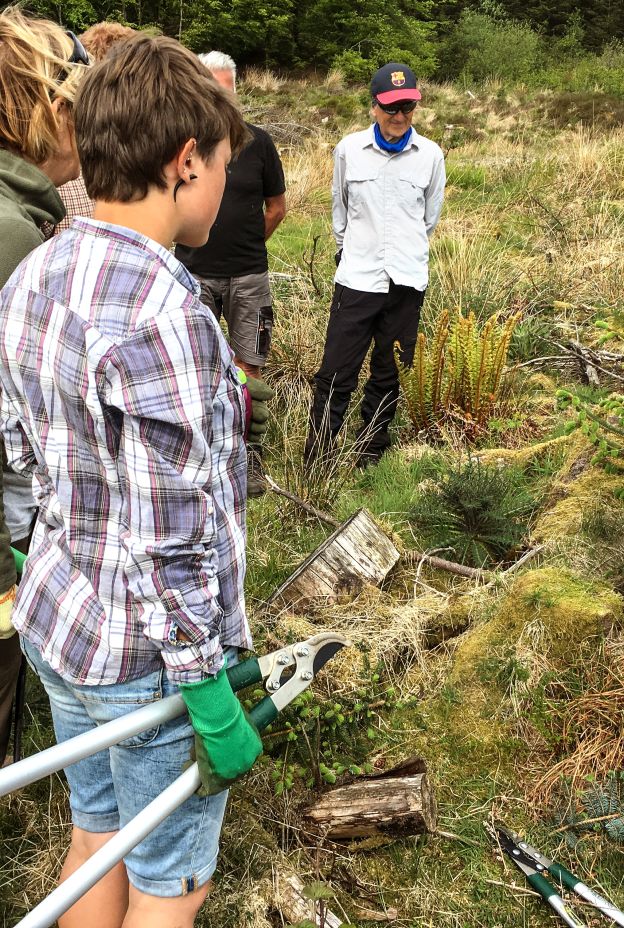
(261, 79)
(588, 161)
(301, 319)
(392, 634)
(470, 269)
(592, 735)
(308, 169)
(334, 80)
(31, 859)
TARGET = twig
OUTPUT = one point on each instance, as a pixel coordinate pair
(454, 837)
(308, 507)
(551, 357)
(310, 264)
(586, 821)
(527, 556)
(516, 889)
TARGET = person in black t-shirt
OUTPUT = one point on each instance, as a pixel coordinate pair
(232, 267)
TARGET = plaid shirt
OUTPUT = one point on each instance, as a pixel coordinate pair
(120, 395)
(76, 201)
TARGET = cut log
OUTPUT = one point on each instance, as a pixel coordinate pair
(293, 905)
(357, 552)
(392, 806)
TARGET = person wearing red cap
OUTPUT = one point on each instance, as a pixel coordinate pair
(387, 195)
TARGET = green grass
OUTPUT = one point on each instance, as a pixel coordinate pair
(499, 247)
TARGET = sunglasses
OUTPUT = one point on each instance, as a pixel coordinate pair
(408, 106)
(79, 53)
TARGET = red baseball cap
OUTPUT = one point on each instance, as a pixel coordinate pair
(394, 82)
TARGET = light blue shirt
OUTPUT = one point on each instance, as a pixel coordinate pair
(384, 208)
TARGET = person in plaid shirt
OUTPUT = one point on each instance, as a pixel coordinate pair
(119, 393)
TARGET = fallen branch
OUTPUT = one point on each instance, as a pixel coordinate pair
(587, 362)
(440, 563)
(308, 507)
(595, 358)
(472, 573)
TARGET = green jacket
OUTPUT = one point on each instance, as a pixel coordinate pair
(27, 199)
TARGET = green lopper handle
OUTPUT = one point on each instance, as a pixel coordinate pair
(541, 885)
(263, 713)
(20, 560)
(564, 876)
(244, 674)
(548, 892)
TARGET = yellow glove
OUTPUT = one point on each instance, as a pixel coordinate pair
(6, 608)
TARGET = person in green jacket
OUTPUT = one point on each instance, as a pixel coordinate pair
(40, 66)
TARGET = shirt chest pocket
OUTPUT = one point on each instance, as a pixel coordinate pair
(360, 188)
(410, 192)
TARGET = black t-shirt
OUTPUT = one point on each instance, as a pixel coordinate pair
(236, 244)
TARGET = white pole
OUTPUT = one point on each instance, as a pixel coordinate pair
(104, 736)
(81, 881)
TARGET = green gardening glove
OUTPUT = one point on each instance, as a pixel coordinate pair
(260, 393)
(226, 743)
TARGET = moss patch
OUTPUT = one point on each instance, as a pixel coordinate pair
(569, 610)
(565, 517)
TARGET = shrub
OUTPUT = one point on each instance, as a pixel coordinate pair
(458, 371)
(486, 45)
(602, 423)
(478, 513)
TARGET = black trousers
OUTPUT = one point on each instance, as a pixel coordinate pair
(356, 319)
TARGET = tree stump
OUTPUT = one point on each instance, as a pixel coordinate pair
(357, 552)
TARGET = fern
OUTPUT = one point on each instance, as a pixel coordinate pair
(459, 371)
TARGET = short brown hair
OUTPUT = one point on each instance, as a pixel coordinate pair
(99, 39)
(34, 69)
(137, 108)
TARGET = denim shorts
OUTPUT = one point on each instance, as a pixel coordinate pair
(111, 787)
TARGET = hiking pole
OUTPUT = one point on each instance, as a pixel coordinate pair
(300, 661)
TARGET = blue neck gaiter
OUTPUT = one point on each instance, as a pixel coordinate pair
(392, 146)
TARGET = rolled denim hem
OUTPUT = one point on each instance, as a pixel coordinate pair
(96, 824)
(177, 887)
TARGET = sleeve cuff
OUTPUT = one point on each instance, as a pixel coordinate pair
(194, 662)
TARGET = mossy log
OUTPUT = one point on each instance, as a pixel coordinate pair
(390, 806)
